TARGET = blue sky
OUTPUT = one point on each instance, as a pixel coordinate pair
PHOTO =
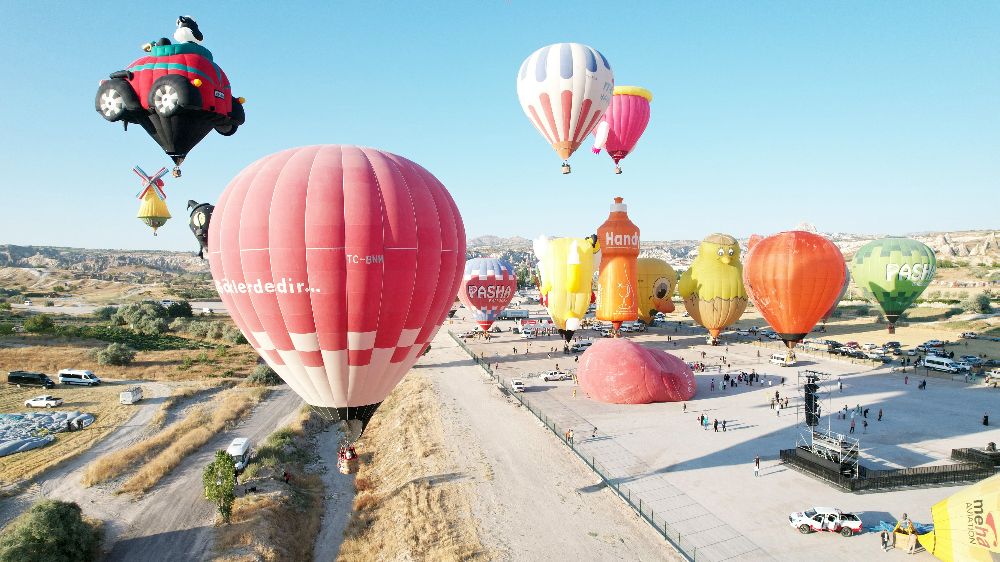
(877, 117)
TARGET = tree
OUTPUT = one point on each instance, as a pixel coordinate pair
(51, 531)
(147, 317)
(219, 480)
(116, 354)
(105, 313)
(180, 309)
(39, 324)
(977, 304)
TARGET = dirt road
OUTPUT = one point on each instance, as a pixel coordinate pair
(174, 522)
(63, 481)
(533, 499)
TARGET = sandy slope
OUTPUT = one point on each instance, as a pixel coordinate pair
(532, 498)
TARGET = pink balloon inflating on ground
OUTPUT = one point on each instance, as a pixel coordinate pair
(618, 371)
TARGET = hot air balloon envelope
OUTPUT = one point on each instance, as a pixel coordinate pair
(487, 288)
(892, 273)
(564, 89)
(339, 264)
(793, 278)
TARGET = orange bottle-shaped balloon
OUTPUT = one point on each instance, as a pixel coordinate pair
(619, 239)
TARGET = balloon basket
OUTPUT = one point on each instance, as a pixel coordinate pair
(618, 170)
(565, 168)
(176, 172)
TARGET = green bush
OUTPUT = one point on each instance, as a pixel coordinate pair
(6, 328)
(263, 375)
(39, 324)
(217, 330)
(179, 325)
(51, 531)
(4, 305)
(105, 313)
(115, 354)
(233, 335)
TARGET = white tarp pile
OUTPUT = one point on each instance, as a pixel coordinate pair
(30, 430)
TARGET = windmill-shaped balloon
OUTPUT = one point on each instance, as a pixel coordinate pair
(153, 209)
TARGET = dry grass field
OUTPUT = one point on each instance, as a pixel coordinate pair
(400, 511)
(102, 401)
(280, 521)
(49, 355)
(156, 456)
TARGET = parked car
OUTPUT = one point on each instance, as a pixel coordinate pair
(895, 344)
(869, 346)
(971, 359)
(44, 401)
(27, 302)
(851, 344)
(517, 385)
(969, 335)
(933, 343)
(784, 359)
(241, 452)
(557, 376)
(828, 519)
(911, 352)
(78, 376)
(527, 334)
(27, 378)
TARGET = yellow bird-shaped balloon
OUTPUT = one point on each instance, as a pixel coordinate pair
(656, 281)
(712, 288)
(566, 271)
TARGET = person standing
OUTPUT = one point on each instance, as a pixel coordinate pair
(841, 384)
(852, 425)
(715, 425)
(864, 425)
(906, 379)
(723, 425)
(756, 466)
(880, 414)
(593, 434)
(685, 407)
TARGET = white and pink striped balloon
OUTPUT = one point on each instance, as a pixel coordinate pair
(339, 264)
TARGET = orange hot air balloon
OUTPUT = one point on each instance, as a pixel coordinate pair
(793, 278)
(618, 278)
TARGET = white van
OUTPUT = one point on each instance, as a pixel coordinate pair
(527, 334)
(941, 364)
(78, 376)
(130, 396)
(786, 359)
(240, 450)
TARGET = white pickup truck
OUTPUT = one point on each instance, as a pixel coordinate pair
(45, 401)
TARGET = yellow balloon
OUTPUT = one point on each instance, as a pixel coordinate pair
(656, 281)
(153, 211)
(566, 272)
(712, 288)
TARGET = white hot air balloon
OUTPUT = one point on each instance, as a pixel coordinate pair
(564, 90)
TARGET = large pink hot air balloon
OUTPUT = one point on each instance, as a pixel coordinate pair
(339, 264)
(623, 123)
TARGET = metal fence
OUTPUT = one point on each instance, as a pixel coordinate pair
(877, 480)
(674, 537)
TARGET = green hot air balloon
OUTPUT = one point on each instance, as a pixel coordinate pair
(892, 273)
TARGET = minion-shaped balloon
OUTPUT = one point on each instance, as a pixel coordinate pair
(656, 283)
(712, 288)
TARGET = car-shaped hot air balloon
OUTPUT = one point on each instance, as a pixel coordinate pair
(177, 94)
